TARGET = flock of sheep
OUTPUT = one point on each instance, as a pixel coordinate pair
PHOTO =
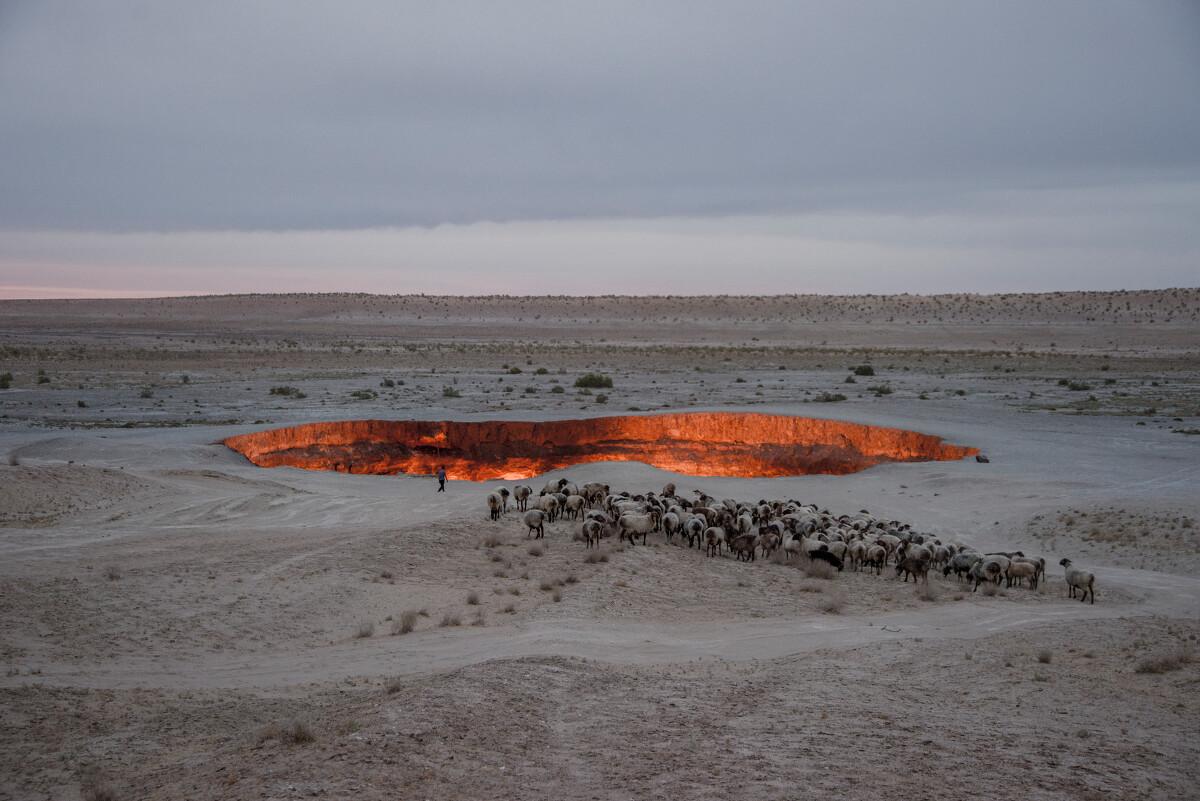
(763, 528)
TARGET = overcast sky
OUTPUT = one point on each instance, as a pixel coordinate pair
(176, 147)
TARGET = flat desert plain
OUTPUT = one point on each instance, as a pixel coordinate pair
(177, 623)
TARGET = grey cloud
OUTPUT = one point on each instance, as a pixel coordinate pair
(229, 115)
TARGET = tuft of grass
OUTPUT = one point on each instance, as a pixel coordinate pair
(98, 791)
(557, 596)
(112, 573)
(570, 579)
(817, 569)
(535, 550)
(594, 557)
(473, 599)
(1164, 663)
(393, 685)
(832, 604)
(406, 623)
(989, 589)
(491, 541)
(365, 629)
(510, 609)
(864, 369)
(294, 732)
(450, 620)
(926, 591)
(1044, 656)
(594, 381)
(546, 586)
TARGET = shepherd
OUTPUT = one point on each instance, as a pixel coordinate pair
(441, 475)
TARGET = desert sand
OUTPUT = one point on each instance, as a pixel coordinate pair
(176, 622)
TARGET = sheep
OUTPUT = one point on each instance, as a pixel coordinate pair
(535, 520)
(876, 557)
(574, 506)
(827, 557)
(495, 504)
(1019, 570)
(693, 529)
(553, 486)
(592, 531)
(986, 570)
(914, 566)
(521, 495)
(632, 525)
(960, 564)
(857, 554)
(668, 491)
(670, 524)
(594, 492)
(1078, 580)
(714, 538)
(744, 547)
(549, 505)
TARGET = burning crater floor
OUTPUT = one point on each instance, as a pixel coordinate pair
(732, 444)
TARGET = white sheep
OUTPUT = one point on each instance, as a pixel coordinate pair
(535, 520)
(631, 525)
(521, 495)
(1079, 580)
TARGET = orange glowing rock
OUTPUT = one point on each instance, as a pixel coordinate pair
(699, 444)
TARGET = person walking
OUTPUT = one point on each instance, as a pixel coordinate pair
(441, 474)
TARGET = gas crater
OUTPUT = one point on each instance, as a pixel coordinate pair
(731, 444)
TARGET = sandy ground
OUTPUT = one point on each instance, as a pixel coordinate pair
(171, 616)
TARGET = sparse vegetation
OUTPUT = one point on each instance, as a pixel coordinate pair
(292, 733)
(405, 623)
(365, 629)
(1164, 663)
(594, 381)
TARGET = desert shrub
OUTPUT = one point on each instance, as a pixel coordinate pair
(6, 380)
(509, 609)
(365, 629)
(473, 599)
(491, 541)
(1044, 656)
(112, 573)
(1164, 663)
(926, 591)
(864, 369)
(829, 397)
(405, 624)
(81, 404)
(535, 550)
(880, 389)
(557, 596)
(557, 389)
(531, 390)
(601, 398)
(594, 381)
(98, 791)
(145, 393)
(570, 579)
(286, 391)
(393, 685)
(594, 557)
(850, 380)
(387, 383)
(364, 394)
(989, 589)
(816, 569)
(292, 733)
(450, 620)
(514, 370)
(450, 392)
(832, 604)
(541, 371)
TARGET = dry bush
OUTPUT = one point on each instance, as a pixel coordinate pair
(365, 629)
(499, 574)
(514, 590)
(570, 579)
(406, 623)
(535, 550)
(546, 586)
(832, 604)
(989, 589)
(98, 791)
(594, 557)
(926, 591)
(393, 685)
(557, 596)
(491, 541)
(473, 599)
(811, 586)
(385, 574)
(293, 733)
(450, 620)
(1164, 663)
(1044, 656)
(112, 573)
(497, 557)
(817, 569)
(479, 619)
(510, 609)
